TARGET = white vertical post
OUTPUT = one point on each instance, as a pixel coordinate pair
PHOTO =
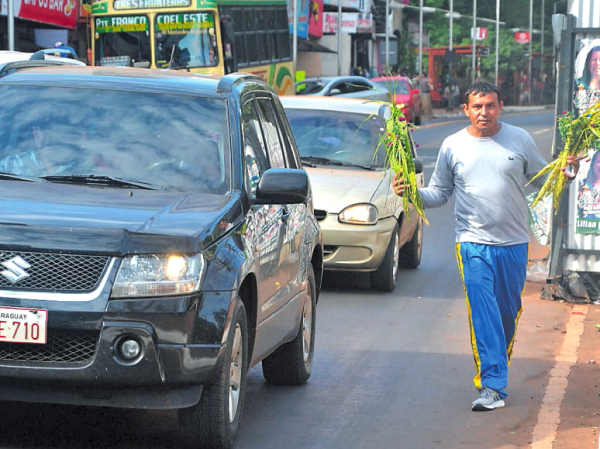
(450, 39)
(387, 37)
(530, 48)
(497, 36)
(11, 25)
(295, 37)
(420, 41)
(474, 40)
(339, 31)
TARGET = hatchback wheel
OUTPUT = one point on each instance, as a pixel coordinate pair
(384, 278)
(410, 254)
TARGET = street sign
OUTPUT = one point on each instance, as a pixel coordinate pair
(522, 37)
(479, 33)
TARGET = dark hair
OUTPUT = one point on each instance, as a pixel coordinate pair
(587, 76)
(483, 88)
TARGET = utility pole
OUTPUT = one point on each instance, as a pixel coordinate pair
(530, 49)
(339, 31)
(474, 37)
(497, 36)
(11, 25)
(387, 37)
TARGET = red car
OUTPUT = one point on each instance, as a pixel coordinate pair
(407, 96)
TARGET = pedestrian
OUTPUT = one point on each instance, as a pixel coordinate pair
(487, 165)
(425, 88)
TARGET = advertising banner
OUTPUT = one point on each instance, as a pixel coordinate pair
(315, 18)
(349, 22)
(302, 17)
(61, 13)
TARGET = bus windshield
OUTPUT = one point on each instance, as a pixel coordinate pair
(185, 40)
(122, 41)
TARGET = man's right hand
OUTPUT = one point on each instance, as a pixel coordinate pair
(399, 184)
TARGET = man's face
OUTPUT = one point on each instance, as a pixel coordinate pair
(483, 110)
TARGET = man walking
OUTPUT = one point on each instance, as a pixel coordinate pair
(487, 165)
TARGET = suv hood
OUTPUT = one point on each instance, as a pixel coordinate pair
(49, 216)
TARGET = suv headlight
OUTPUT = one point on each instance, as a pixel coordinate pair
(158, 275)
(359, 214)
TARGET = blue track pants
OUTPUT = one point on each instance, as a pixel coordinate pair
(493, 279)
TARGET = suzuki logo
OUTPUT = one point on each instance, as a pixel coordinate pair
(15, 269)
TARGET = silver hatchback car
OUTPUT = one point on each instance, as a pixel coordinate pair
(364, 225)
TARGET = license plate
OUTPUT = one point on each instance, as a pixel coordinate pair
(19, 325)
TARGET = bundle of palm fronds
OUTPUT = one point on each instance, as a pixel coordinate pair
(579, 136)
(396, 142)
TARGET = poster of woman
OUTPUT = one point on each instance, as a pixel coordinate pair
(587, 93)
(587, 77)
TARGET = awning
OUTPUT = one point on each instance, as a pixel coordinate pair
(306, 45)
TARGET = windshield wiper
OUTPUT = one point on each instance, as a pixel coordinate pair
(12, 177)
(99, 180)
(320, 160)
(327, 161)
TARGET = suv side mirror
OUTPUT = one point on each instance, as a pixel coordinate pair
(283, 186)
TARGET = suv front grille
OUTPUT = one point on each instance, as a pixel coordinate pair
(53, 271)
(68, 346)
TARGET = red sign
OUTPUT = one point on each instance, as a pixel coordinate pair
(479, 33)
(522, 37)
(315, 18)
(62, 13)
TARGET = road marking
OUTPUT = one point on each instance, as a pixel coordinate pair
(540, 131)
(544, 432)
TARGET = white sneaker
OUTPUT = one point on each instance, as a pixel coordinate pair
(488, 400)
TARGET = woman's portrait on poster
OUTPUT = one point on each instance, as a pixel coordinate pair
(587, 72)
(589, 191)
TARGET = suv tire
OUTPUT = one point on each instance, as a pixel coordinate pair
(211, 422)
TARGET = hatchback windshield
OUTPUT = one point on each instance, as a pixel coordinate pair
(173, 143)
(340, 136)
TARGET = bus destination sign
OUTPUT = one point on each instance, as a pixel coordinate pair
(149, 4)
(120, 24)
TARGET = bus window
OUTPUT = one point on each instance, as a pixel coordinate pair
(186, 40)
(122, 41)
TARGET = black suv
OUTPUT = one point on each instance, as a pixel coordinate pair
(157, 240)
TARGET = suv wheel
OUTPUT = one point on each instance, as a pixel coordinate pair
(291, 364)
(384, 278)
(214, 421)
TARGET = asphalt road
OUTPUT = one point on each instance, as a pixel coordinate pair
(391, 371)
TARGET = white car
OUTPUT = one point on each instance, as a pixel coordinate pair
(7, 56)
(342, 86)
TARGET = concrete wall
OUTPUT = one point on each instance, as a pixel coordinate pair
(329, 61)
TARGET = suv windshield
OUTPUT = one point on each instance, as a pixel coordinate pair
(121, 139)
(340, 136)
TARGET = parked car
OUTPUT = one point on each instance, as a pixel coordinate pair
(342, 86)
(407, 96)
(157, 240)
(45, 54)
(362, 219)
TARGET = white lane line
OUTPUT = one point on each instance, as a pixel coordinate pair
(544, 432)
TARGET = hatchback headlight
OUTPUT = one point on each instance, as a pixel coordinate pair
(359, 214)
(158, 275)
